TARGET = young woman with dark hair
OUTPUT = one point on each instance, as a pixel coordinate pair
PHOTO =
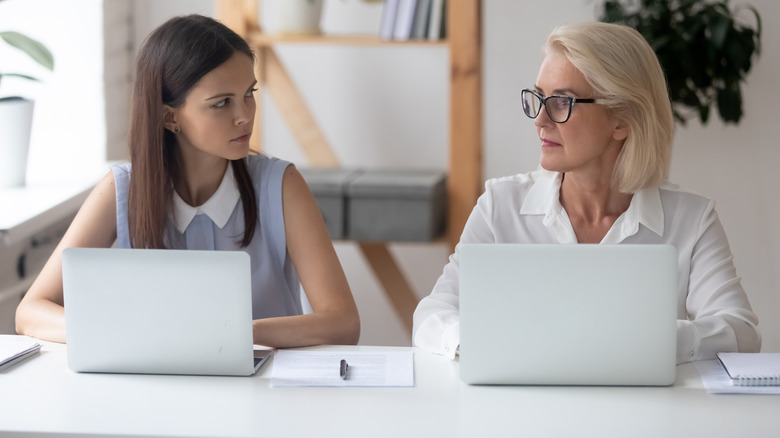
(192, 183)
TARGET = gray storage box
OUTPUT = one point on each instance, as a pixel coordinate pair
(329, 184)
(396, 205)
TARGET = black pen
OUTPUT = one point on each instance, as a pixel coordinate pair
(343, 369)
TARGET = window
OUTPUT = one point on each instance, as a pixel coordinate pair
(69, 124)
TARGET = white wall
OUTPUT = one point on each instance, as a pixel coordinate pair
(388, 107)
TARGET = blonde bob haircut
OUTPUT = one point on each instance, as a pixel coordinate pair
(623, 70)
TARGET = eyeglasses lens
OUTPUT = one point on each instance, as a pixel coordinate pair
(531, 104)
(558, 107)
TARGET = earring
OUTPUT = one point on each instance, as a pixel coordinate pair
(177, 130)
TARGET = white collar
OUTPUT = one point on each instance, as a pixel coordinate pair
(218, 208)
(544, 199)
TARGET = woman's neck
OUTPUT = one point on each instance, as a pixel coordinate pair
(199, 179)
(593, 205)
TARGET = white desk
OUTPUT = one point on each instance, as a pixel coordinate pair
(42, 397)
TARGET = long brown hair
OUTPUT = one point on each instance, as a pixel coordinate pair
(173, 58)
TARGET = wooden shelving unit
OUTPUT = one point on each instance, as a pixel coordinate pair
(464, 178)
(266, 40)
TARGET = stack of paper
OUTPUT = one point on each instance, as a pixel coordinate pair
(14, 350)
(321, 368)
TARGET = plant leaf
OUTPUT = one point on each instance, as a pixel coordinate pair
(704, 114)
(18, 76)
(757, 31)
(719, 28)
(703, 48)
(730, 104)
(31, 47)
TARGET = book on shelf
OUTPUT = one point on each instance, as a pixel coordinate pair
(404, 19)
(421, 20)
(436, 20)
(752, 369)
(387, 23)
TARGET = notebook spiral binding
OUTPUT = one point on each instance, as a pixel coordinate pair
(756, 381)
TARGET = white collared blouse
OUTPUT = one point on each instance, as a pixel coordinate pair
(713, 310)
(218, 224)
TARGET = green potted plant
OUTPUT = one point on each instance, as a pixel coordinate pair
(16, 113)
(703, 46)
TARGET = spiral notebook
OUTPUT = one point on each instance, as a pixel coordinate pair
(752, 369)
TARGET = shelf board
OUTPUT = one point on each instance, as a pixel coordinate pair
(266, 40)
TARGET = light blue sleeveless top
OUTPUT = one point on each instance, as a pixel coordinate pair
(275, 284)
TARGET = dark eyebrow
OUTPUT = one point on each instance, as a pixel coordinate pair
(222, 95)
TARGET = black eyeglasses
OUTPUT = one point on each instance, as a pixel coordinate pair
(558, 107)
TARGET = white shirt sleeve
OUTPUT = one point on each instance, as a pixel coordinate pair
(437, 316)
(719, 314)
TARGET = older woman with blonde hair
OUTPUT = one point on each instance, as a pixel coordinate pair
(604, 120)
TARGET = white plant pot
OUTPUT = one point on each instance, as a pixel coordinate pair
(296, 17)
(15, 125)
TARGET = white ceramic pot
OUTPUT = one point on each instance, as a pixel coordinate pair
(15, 125)
(296, 17)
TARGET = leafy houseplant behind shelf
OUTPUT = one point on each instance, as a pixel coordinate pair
(704, 50)
(16, 114)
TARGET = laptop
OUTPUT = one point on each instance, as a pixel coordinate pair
(537, 314)
(159, 312)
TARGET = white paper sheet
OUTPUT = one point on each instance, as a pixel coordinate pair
(321, 368)
(717, 381)
(14, 350)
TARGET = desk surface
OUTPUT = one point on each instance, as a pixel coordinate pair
(41, 396)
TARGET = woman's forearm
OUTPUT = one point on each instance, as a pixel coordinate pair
(41, 319)
(326, 327)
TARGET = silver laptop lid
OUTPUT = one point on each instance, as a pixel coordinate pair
(568, 314)
(158, 311)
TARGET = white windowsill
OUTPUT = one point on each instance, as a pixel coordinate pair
(27, 210)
